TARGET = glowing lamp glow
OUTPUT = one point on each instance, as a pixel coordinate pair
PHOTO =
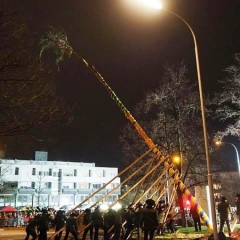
(151, 3)
(117, 206)
(218, 143)
(103, 207)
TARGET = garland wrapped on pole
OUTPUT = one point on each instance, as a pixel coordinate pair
(56, 40)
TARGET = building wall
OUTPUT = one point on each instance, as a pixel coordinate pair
(225, 184)
(51, 183)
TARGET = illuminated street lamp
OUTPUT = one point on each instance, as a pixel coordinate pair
(176, 158)
(218, 143)
(153, 3)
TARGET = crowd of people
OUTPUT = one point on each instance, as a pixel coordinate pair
(15, 219)
(144, 220)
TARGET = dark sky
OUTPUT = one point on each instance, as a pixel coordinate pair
(129, 45)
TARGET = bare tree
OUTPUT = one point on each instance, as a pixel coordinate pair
(227, 101)
(29, 103)
(171, 116)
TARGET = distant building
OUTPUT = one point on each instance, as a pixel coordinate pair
(53, 183)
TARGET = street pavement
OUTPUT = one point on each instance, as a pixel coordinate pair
(18, 233)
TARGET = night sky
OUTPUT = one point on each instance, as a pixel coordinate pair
(129, 45)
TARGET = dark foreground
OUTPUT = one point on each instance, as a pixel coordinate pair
(184, 233)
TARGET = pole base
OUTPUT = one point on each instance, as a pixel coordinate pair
(221, 236)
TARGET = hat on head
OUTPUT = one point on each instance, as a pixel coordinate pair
(223, 199)
(150, 203)
(44, 211)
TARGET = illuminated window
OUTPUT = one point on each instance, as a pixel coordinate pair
(83, 185)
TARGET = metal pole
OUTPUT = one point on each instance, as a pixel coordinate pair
(238, 162)
(210, 181)
(167, 195)
(32, 199)
(15, 200)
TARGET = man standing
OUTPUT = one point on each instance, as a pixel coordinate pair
(59, 222)
(237, 214)
(224, 210)
(196, 218)
(31, 228)
(43, 226)
(71, 227)
(87, 222)
(97, 221)
(149, 219)
(130, 219)
(238, 205)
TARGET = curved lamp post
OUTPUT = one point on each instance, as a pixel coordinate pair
(157, 4)
(219, 143)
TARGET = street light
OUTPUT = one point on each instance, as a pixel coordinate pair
(210, 179)
(176, 158)
(151, 3)
(219, 143)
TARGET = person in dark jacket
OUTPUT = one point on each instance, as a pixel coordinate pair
(138, 214)
(224, 210)
(196, 218)
(43, 226)
(149, 219)
(237, 214)
(71, 227)
(31, 228)
(59, 222)
(108, 223)
(118, 222)
(161, 208)
(130, 221)
(87, 222)
(238, 205)
(97, 221)
(171, 220)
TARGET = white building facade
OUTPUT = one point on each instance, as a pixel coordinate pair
(53, 183)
